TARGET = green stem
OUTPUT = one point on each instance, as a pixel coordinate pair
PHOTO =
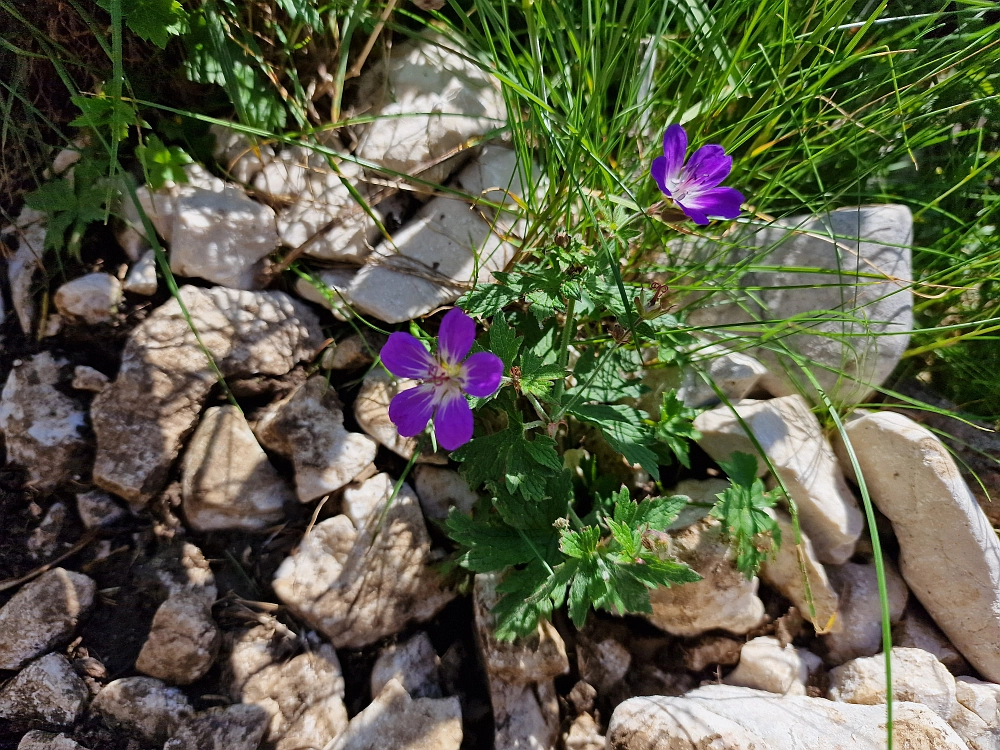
(567, 336)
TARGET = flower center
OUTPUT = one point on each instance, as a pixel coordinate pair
(445, 372)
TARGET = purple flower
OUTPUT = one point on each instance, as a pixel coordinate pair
(694, 186)
(444, 379)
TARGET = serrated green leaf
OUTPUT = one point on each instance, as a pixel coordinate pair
(162, 163)
(657, 513)
(490, 546)
(676, 427)
(104, 112)
(537, 376)
(527, 597)
(486, 300)
(741, 468)
(580, 544)
(152, 20)
(742, 508)
(51, 197)
(623, 428)
(504, 342)
(630, 541)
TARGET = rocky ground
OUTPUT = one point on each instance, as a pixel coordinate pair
(186, 568)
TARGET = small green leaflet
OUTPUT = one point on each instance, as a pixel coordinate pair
(536, 376)
(676, 427)
(624, 429)
(104, 112)
(493, 545)
(152, 20)
(486, 300)
(742, 508)
(504, 342)
(71, 207)
(162, 163)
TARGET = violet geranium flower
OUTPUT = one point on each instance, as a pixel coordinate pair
(445, 378)
(694, 186)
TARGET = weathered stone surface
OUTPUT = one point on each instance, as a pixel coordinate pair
(982, 698)
(916, 630)
(38, 740)
(603, 663)
(44, 540)
(93, 298)
(584, 734)
(917, 677)
(183, 641)
(413, 664)
(46, 690)
(723, 717)
(440, 490)
(857, 631)
(181, 568)
(949, 555)
(355, 351)
(97, 508)
(238, 155)
(859, 293)
(221, 236)
(141, 419)
(396, 720)
(239, 727)
(736, 374)
(143, 706)
(363, 578)
(88, 379)
(792, 438)
(435, 101)
(308, 427)
(724, 598)
(27, 238)
(767, 665)
(710, 650)
(141, 277)
(303, 696)
(520, 675)
(371, 409)
(42, 427)
(977, 733)
(331, 292)
(434, 258)
(228, 481)
(43, 615)
(784, 572)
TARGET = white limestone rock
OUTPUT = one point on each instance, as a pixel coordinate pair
(183, 641)
(238, 727)
(27, 235)
(916, 630)
(437, 101)
(143, 706)
(238, 155)
(308, 428)
(603, 663)
(949, 554)
(584, 734)
(857, 631)
(723, 598)
(42, 615)
(93, 298)
(783, 571)
(413, 663)
(520, 675)
(858, 294)
(737, 718)
(364, 578)
(440, 490)
(792, 438)
(917, 677)
(39, 740)
(736, 374)
(394, 719)
(228, 481)
(97, 508)
(765, 664)
(355, 351)
(88, 379)
(46, 690)
(44, 540)
(302, 696)
(42, 427)
(221, 237)
(333, 292)
(141, 419)
(141, 277)
(436, 256)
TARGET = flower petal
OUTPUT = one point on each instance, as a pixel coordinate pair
(658, 173)
(708, 166)
(455, 336)
(453, 422)
(481, 374)
(723, 202)
(675, 144)
(411, 410)
(405, 357)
